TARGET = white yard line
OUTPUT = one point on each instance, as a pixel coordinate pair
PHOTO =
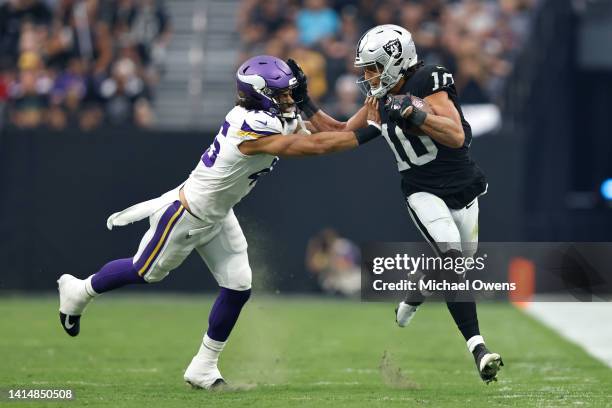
(588, 325)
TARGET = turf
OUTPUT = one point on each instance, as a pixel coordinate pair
(290, 352)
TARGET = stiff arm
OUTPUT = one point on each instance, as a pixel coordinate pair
(322, 122)
(298, 145)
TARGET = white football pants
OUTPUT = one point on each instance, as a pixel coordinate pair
(174, 233)
(444, 228)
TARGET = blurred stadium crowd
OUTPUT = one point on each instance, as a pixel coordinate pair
(87, 63)
(475, 39)
(81, 63)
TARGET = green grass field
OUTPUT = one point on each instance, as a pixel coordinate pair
(290, 352)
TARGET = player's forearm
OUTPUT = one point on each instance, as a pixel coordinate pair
(444, 131)
(321, 143)
(325, 123)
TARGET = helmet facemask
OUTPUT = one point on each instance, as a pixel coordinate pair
(377, 75)
(385, 81)
(285, 108)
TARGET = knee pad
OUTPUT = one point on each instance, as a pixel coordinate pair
(453, 276)
(239, 276)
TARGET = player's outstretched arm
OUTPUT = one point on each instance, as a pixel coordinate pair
(297, 145)
(318, 119)
(323, 122)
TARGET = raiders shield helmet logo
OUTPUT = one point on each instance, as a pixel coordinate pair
(393, 48)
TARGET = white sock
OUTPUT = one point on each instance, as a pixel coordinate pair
(474, 341)
(210, 350)
(88, 288)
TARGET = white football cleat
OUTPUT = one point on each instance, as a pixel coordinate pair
(200, 374)
(404, 314)
(73, 301)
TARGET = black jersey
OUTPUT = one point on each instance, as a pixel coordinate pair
(426, 165)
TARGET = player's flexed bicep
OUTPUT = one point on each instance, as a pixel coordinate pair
(319, 120)
(296, 145)
(443, 122)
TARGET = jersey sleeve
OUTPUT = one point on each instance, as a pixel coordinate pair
(258, 124)
(435, 78)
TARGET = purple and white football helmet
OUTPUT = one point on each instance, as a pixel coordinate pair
(261, 80)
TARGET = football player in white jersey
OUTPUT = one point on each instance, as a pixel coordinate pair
(198, 215)
(441, 183)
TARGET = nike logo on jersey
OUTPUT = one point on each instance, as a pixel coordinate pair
(67, 323)
(263, 123)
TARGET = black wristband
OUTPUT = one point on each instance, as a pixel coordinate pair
(308, 107)
(366, 134)
(417, 117)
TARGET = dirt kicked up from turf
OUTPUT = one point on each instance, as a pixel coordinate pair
(290, 351)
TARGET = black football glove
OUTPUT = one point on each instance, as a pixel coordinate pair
(396, 105)
(300, 92)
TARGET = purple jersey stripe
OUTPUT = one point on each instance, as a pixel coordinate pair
(245, 126)
(166, 217)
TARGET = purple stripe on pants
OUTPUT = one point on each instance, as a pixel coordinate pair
(159, 230)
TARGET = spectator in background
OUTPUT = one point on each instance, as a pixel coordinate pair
(5, 80)
(88, 63)
(313, 61)
(30, 94)
(126, 96)
(68, 95)
(346, 100)
(144, 25)
(335, 261)
(269, 15)
(340, 49)
(13, 14)
(476, 39)
(316, 21)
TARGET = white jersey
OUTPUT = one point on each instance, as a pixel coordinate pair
(224, 175)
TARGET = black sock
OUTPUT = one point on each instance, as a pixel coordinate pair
(461, 305)
(464, 314)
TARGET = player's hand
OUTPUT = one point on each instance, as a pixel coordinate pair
(371, 104)
(399, 106)
(300, 92)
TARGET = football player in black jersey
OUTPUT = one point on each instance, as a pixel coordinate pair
(424, 126)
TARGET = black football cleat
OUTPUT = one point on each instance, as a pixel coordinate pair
(70, 324)
(216, 385)
(487, 363)
(219, 383)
